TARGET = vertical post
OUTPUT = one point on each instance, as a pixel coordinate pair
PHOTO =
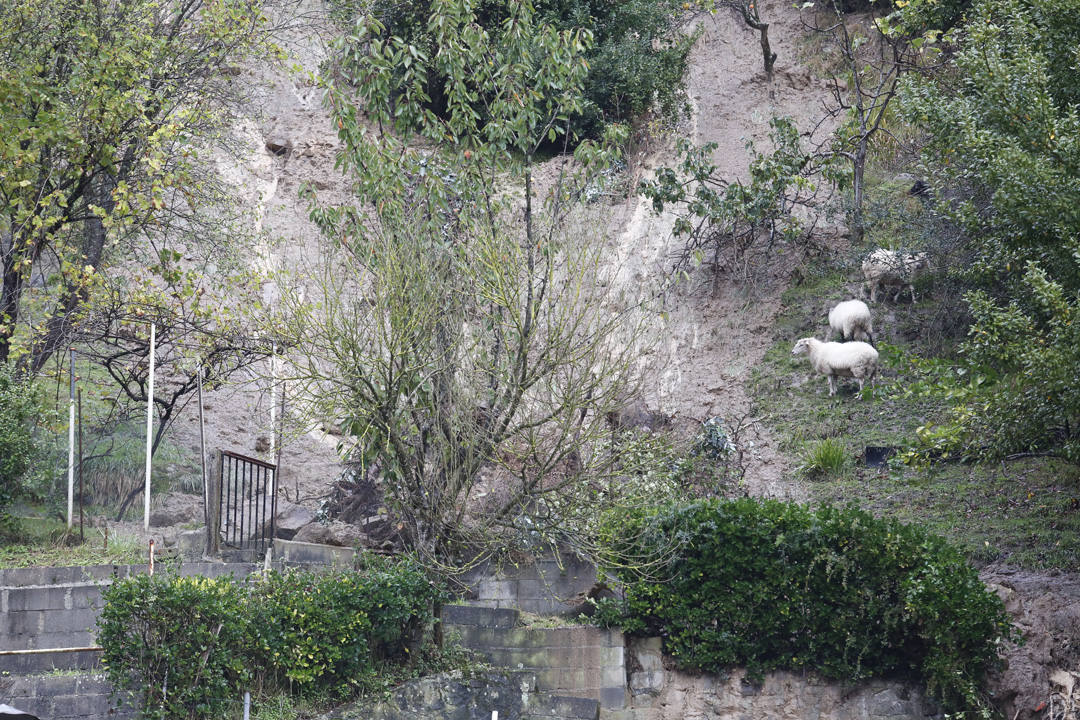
(247, 705)
(273, 399)
(150, 565)
(71, 437)
(81, 535)
(202, 455)
(149, 432)
(213, 526)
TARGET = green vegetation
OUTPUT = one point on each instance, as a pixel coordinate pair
(826, 457)
(47, 542)
(1023, 511)
(770, 585)
(636, 52)
(23, 448)
(187, 647)
(1001, 127)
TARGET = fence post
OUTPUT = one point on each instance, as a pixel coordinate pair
(213, 520)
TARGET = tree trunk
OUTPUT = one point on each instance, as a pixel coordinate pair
(766, 51)
(9, 302)
(858, 167)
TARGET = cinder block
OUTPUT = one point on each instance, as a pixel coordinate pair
(24, 622)
(85, 596)
(613, 697)
(59, 621)
(549, 680)
(577, 708)
(613, 676)
(65, 639)
(37, 598)
(613, 656)
(503, 590)
(571, 680)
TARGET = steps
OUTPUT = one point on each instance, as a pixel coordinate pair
(573, 661)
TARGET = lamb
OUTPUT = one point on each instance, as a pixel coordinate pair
(892, 268)
(851, 318)
(854, 359)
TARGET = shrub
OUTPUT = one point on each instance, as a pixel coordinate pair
(772, 585)
(20, 444)
(332, 630)
(177, 645)
(185, 647)
(1001, 132)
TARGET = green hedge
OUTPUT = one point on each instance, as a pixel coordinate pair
(188, 647)
(771, 585)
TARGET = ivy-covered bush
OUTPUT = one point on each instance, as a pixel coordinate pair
(188, 647)
(332, 630)
(770, 585)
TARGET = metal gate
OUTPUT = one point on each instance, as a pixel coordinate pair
(246, 500)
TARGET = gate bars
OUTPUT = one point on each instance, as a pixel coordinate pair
(247, 501)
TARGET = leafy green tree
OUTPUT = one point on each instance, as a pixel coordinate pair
(1003, 137)
(459, 325)
(105, 106)
(727, 219)
(636, 63)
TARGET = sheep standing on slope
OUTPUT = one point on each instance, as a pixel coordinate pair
(851, 318)
(894, 269)
(854, 359)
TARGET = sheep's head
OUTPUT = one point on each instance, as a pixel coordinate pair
(917, 261)
(802, 347)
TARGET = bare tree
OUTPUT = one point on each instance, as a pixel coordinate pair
(748, 11)
(872, 64)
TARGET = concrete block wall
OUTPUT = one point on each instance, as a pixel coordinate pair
(57, 608)
(62, 697)
(576, 661)
(546, 586)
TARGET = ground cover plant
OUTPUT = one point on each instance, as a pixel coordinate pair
(771, 585)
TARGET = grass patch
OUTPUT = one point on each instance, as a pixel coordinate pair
(828, 457)
(1025, 512)
(46, 542)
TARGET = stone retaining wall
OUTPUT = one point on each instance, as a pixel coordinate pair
(452, 696)
(659, 694)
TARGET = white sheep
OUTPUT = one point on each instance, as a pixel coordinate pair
(892, 268)
(851, 318)
(854, 359)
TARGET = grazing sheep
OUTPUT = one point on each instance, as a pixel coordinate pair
(894, 269)
(851, 318)
(854, 359)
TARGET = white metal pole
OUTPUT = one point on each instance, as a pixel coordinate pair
(71, 437)
(273, 401)
(149, 432)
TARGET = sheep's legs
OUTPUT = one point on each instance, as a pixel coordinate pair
(832, 384)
